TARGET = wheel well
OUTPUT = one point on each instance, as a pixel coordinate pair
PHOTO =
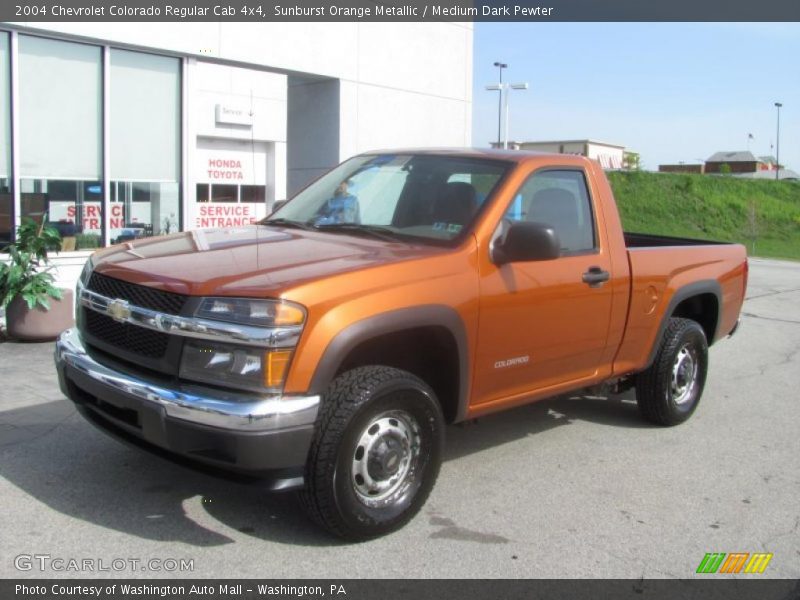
(703, 308)
(430, 353)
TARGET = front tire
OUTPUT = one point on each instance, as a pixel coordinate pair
(376, 453)
(669, 391)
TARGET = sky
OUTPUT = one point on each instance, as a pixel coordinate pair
(671, 91)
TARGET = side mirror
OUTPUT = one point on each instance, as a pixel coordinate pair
(527, 241)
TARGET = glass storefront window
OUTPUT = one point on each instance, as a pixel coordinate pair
(224, 193)
(61, 123)
(145, 145)
(143, 209)
(253, 193)
(202, 192)
(60, 141)
(74, 208)
(6, 199)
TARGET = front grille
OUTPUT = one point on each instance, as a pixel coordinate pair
(145, 342)
(131, 339)
(138, 295)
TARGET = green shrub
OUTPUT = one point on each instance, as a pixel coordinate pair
(27, 273)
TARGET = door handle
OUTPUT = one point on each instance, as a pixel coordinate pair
(595, 277)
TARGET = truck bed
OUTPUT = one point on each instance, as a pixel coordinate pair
(659, 266)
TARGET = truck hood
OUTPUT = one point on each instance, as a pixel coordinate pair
(248, 261)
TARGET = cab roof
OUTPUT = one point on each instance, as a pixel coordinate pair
(516, 156)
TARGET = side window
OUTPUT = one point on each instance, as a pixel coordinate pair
(561, 200)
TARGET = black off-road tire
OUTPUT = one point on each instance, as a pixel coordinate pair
(669, 391)
(401, 405)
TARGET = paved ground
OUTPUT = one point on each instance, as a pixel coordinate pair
(573, 487)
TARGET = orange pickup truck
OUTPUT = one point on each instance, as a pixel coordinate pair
(325, 348)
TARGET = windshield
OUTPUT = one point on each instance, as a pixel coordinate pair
(417, 196)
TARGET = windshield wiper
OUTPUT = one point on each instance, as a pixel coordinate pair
(376, 231)
(289, 223)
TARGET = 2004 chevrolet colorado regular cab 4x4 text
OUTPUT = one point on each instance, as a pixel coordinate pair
(325, 348)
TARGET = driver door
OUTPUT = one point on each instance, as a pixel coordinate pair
(541, 325)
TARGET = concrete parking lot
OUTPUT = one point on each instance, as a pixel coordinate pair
(571, 487)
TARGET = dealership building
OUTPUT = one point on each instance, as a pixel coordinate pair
(122, 130)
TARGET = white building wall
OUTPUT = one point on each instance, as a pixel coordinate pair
(262, 96)
(431, 60)
(542, 147)
(260, 92)
(608, 156)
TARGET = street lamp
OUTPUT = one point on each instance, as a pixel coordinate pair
(513, 86)
(778, 106)
(500, 66)
(504, 89)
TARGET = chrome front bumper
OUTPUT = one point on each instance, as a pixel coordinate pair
(266, 439)
(194, 404)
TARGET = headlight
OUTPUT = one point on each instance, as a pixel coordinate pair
(249, 311)
(254, 369)
(246, 367)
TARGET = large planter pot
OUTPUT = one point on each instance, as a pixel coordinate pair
(39, 325)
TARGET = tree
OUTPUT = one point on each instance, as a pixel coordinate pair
(631, 161)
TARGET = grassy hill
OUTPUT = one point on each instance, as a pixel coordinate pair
(761, 213)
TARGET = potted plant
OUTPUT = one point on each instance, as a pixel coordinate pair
(35, 308)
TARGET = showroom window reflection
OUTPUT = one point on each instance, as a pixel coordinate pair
(73, 208)
(61, 153)
(60, 150)
(142, 209)
(145, 106)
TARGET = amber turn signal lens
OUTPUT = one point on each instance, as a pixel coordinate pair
(277, 365)
(286, 314)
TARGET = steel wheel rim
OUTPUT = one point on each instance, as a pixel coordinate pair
(684, 375)
(386, 458)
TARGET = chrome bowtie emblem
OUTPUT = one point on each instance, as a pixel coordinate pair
(118, 310)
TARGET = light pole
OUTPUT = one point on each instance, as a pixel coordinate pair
(509, 87)
(778, 106)
(502, 106)
(500, 66)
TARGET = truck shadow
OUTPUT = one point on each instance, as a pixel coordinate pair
(50, 453)
(531, 419)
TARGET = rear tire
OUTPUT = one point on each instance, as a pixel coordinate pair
(669, 391)
(376, 452)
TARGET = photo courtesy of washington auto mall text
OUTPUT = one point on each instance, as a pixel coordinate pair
(177, 590)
